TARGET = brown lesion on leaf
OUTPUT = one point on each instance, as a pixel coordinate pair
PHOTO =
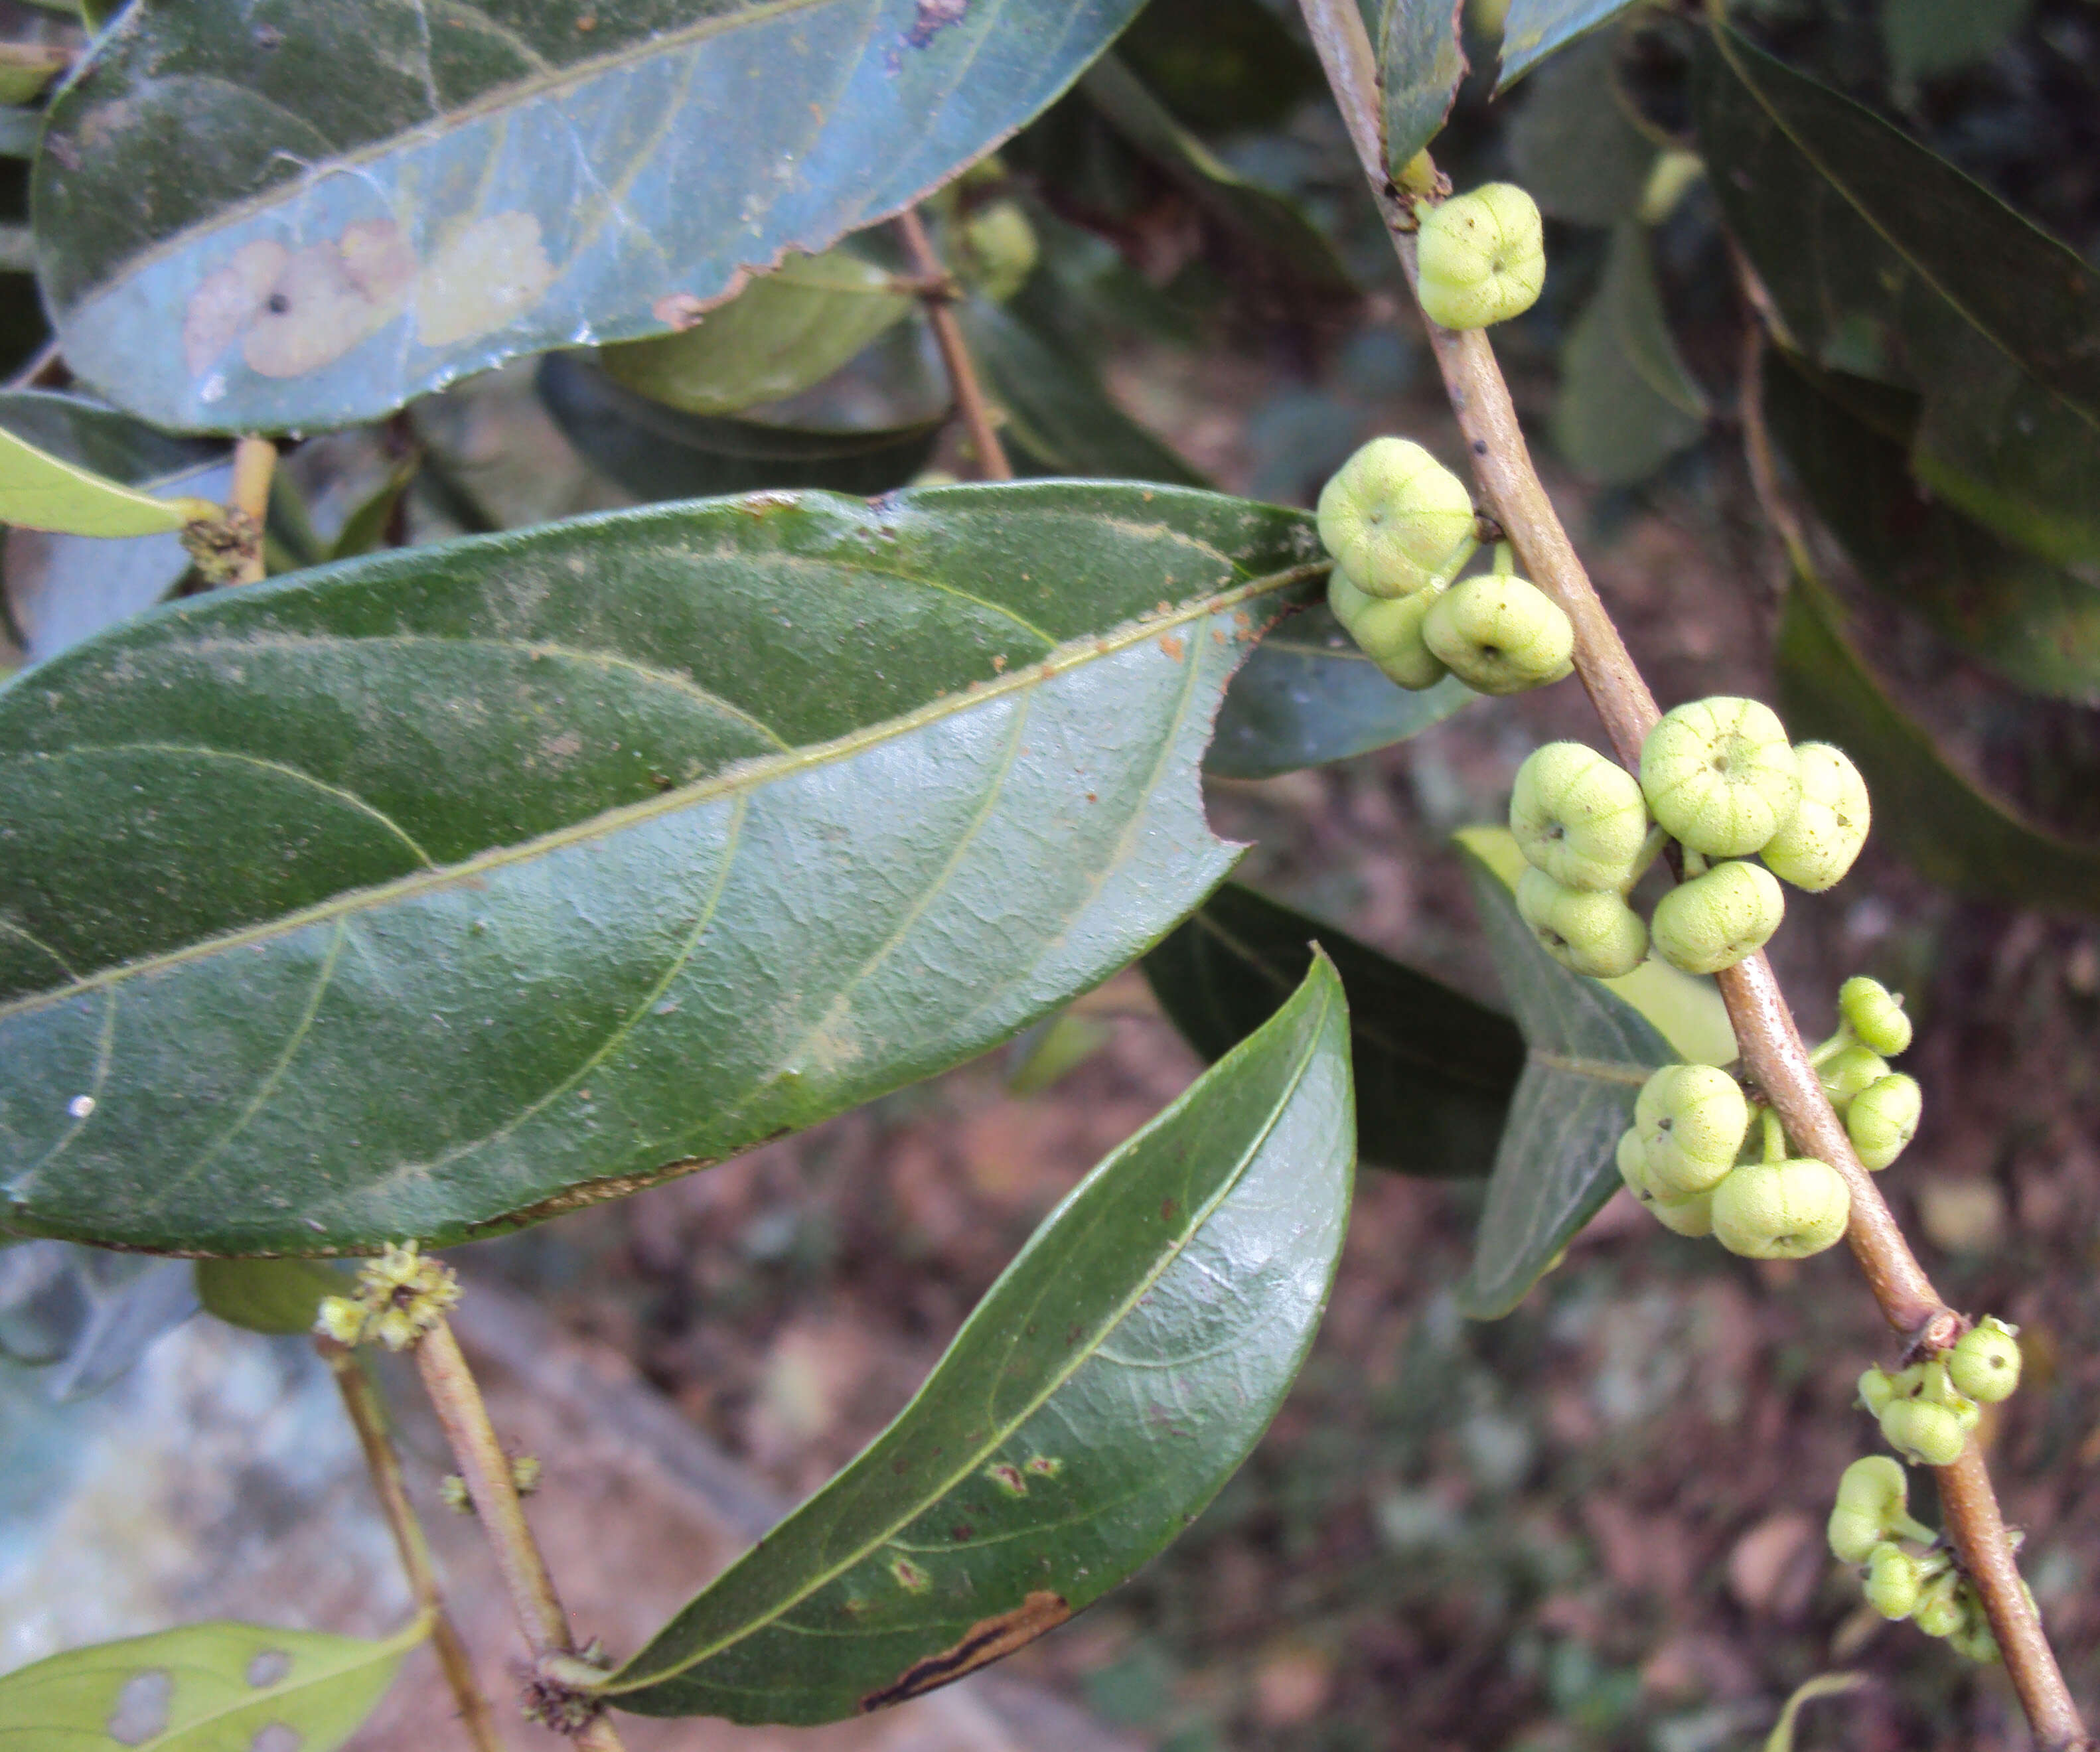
(932, 17)
(988, 1641)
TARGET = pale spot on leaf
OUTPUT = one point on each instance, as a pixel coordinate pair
(276, 1737)
(142, 1707)
(268, 1666)
(481, 277)
(294, 311)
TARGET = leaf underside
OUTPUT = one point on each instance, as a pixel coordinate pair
(302, 212)
(1532, 30)
(1589, 1053)
(441, 890)
(1106, 1387)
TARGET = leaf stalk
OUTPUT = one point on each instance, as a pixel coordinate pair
(939, 301)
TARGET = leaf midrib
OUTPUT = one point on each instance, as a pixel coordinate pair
(1308, 1053)
(741, 775)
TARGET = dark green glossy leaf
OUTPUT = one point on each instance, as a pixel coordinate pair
(60, 589)
(2033, 622)
(1434, 1070)
(1886, 261)
(656, 453)
(205, 1687)
(1589, 1050)
(302, 212)
(1532, 30)
(1948, 830)
(785, 331)
(280, 1296)
(439, 891)
(1308, 695)
(1259, 217)
(1059, 419)
(1420, 63)
(1108, 1384)
(1627, 403)
(1573, 144)
(1221, 64)
(1924, 38)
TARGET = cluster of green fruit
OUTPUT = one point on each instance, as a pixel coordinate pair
(1720, 778)
(1703, 1160)
(1927, 1411)
(1906, 1569)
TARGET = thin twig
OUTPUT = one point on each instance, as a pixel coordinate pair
(368, 1417)
(255, 462)
(1771, 1046)
(456, 1396)
(938, 298)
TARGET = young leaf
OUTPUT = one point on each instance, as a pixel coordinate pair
(1269, 221)
(1587, 1053)
(40, 491)
(1626, 403)
(2035, 623)
(365, 527)
(1309, 695)
(1108, 1384)
(206, 1687)
(302, 213)
(1058, 416)
(1434, 1070)
(1823, 1685)
(787, 330)
(279, 1296)
(1951, 833)
(655, 453)
(1573, 143)
(26, 68)
(1532, 30)
(1886, 261)
(1421, 63)
(436, 892)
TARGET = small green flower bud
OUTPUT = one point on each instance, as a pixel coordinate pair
(1720, 775)
(1973, 1640)
(1691, 1120)
(1396, 519)
(1893, 1584)
(1578, 816)
(1985, 1362)
(1938, 1611)
(1716, 920)
(1501, 634)
(1876, 1014)
(1883, 1118)
(1781, 1210)
(1848, 1074)
(1878, 1390)
(1597, 934)
(1922, 1432)
(1482, 257)
(1873, 1496)
(1389, 631)
(1815, 845)
(341, 1317)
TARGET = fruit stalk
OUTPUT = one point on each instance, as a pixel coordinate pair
(970, 402)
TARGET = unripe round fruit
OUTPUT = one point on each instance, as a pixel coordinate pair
(1388, 630)
(1578, 816)
(1878, 1390)
(1872, 1501)
(999, 250)
(1632, 1159)
(1848, 1074)
(1781, 1210)
(1815, 845)
(1923, 1433)
(1876, 1014)
(1714, 920)
(1597, 934)
(1985, 1362)
(1883, 1118)
(1692, 1119)
(1501, 635)
(1395, 518)
(1482, 257)
(1893, 1584)
(1692, 1216)
(1938, 1611)
(1720, 775)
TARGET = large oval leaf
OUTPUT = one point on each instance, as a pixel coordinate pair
(1422, 61)
(301, 212)
(1309, 695)
(1108, 1384)
(446, 889)
(1590, 1045)
(206, 1687)
(1887, 261)
(1434, 1070)
(1532, 30)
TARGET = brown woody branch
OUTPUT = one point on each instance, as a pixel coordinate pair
(1772, 1047)
(939, 300)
